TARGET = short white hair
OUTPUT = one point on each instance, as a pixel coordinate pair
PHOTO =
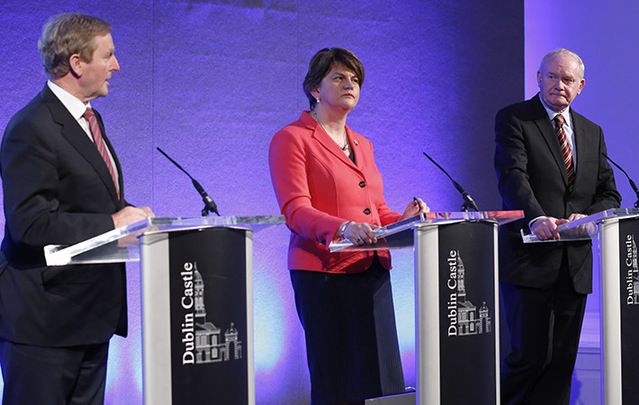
(564, 51)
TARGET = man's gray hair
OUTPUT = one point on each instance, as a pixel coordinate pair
(564, 51)
(67, 34)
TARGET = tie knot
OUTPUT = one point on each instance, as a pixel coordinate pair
(559, 121)
(88, 114)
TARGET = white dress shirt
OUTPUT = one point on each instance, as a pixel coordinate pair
(77, 108)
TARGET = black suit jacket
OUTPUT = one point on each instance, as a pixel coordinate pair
(531, 177)
(57, 190)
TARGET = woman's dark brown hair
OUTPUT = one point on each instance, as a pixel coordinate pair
(322, 63)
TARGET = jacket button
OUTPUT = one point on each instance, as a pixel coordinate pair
(362, 184)
(367, 211)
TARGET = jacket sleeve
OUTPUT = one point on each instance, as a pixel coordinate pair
(386, 215)
(511, 159)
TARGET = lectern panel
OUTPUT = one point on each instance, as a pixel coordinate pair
(198, 318)
(629, 291)
(467, 313)
(457, 314)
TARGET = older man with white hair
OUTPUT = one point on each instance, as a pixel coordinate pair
(549, 163)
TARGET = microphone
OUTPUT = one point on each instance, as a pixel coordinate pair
(469, 203)
(209, 204)
(632, 183)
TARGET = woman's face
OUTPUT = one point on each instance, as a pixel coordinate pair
(339, 89)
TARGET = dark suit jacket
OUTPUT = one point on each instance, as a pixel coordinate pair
(57, 190)
(531, 177)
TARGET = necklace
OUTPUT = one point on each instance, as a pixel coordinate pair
(342, 147)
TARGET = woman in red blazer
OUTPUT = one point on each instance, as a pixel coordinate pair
(328, 187)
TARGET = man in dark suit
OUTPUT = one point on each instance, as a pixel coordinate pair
(62, 184)
(552, 168)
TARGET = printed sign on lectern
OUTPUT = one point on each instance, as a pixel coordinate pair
(208, 317)
(467, 313)
(629, 277)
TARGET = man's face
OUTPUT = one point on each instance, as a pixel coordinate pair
(560, 81)
(94, 75)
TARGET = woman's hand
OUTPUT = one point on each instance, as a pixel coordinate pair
(360, 233)
(415, 207)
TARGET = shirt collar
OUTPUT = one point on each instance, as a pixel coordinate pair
(552, 113)
(75, 106)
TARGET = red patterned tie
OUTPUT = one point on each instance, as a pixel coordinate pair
(565, 148)
(99, 143)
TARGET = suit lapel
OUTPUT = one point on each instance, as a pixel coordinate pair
(548, 133)
(76, 136)
(580, 140)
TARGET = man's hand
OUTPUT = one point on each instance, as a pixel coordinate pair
(545, 228)
(585, 230)
(575, 216)
(129, 215)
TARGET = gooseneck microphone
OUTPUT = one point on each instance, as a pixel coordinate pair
(209, 204)
(632, 183)
(469, 203)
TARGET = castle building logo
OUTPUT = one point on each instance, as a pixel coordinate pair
(203, 341)
(464, 318)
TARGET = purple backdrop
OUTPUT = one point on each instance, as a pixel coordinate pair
(211, 81)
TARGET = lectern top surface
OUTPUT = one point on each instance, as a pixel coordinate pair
(399, 234)
(121, 244)
(584, 228)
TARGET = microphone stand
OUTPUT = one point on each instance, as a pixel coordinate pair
(469, 203)
(209, 204)
(632, 183)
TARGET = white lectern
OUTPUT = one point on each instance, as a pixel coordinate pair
(456, 303)
(197, 303)
(614, 233)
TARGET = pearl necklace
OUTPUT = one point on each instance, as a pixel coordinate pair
(342, 147)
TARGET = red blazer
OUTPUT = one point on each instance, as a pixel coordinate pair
(318, 188)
